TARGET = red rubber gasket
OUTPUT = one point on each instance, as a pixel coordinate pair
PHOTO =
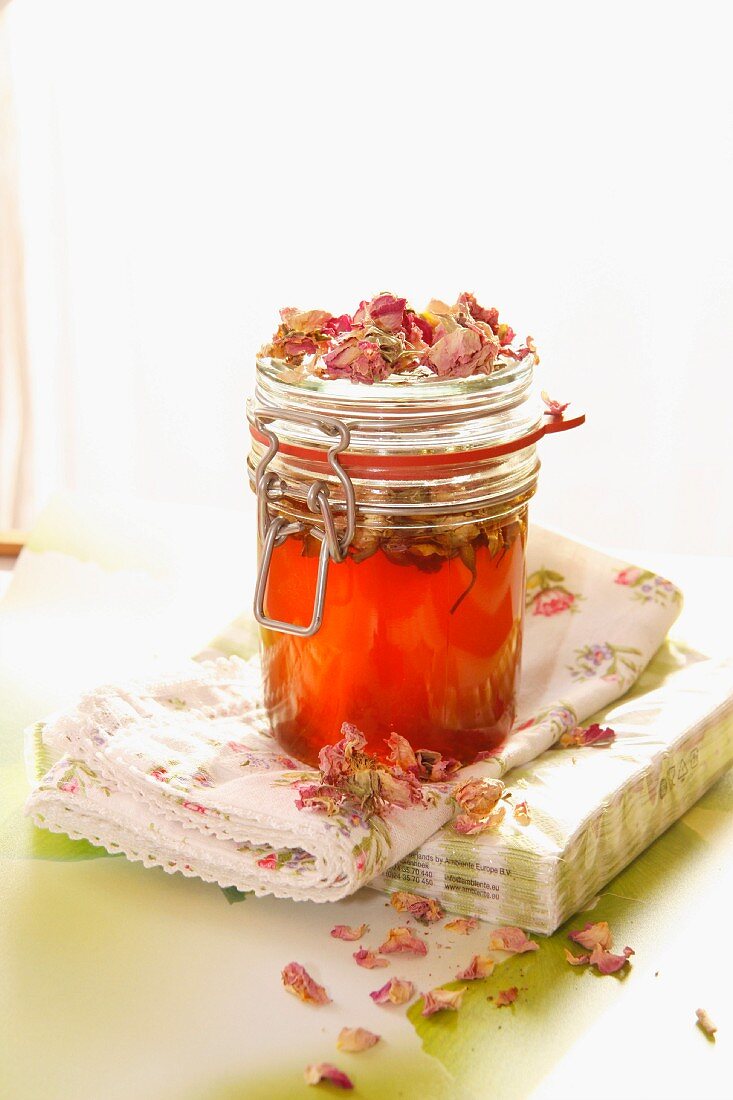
(375, 465)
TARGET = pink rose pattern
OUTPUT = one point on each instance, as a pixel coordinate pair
(648, 587)
(547, 596)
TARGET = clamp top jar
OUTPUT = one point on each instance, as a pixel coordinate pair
(392, 524)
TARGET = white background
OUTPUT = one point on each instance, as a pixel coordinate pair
(186, 169)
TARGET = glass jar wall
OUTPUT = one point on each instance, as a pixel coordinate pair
(421, 624)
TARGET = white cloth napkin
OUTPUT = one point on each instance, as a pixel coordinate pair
(181, 772)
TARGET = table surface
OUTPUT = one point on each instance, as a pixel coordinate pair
(120, 981)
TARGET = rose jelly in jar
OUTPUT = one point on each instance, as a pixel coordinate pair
(392, 535)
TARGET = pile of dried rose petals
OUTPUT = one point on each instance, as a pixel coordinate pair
(353, 778)
(385, 336)
(597, 939)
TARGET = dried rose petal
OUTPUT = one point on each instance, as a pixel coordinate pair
(511, 939)
(424, 763)
(369, 959)
(462, 352)
(294, 347)
(401, 940)
(505, 333)
(352, 777)
(320, 797)
(359, 360)
(468, 825)
(605, 962)
(397, 991)
(479, 313)
(554, 408)
(576, 960)
(324, 1071)
(298, 981)
(592, 935)
(425, 910)
(355, 1039)
(521, 813)
(461, 925)
(433, 768)
(478, 797)
(385, 311)
(337, 325)
(438, 1000)
(593, 736)
(705, 1023)
(424, 327)
(399, 788)
(480, 966)
(301, 332)
(306, 321)
(401, 753)
(506, 996)
(344, 932)
(518, 354)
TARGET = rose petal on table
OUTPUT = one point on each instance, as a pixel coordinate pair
(401, 940)
(324, 1071)
(369, 959)
(425, 910)
(298, 981)
(593, 934)
(461, 925)
(355, 1039)
(438, 1000)
(345, 932)
(576, 960)
(506, 996)
(480, 966)
(397, 991)
(606, 963)
(705, 1023)
(512, 939)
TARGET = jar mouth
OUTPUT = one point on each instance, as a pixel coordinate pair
(405, 414)
(417, 385)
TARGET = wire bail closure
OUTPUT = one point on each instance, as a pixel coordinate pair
(274, 530)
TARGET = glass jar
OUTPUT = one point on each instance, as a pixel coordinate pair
(392, 523)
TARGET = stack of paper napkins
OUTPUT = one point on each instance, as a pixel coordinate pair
(592, 810)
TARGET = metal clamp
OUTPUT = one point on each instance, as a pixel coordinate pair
(274, 530)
